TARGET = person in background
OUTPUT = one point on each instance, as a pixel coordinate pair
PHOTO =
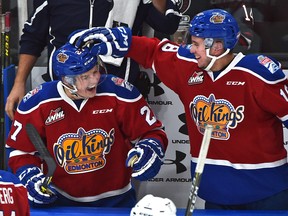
(52, 21)
(244, 98)
(162, 16)
(97, 127)
(13, 195)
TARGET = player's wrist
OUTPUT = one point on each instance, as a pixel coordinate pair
(154, 144)
(19, 83)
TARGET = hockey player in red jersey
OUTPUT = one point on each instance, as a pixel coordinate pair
(245, 98)
(93, 126)
(13, 196)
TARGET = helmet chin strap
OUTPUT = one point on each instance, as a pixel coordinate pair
(214, 58)
(73, 91)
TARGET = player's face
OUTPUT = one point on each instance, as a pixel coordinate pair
(86, 83)
(198, 48)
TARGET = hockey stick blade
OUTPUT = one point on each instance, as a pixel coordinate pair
(199, 170)
(44, 154)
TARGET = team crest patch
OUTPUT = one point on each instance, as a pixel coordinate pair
(32, 92)
(268, 63)
(217, 18)
(55, 116)
(83, 151)
(196, 78)
(121, 82)
(62, 57)
(218, 112)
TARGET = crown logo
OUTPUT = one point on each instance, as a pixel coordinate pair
(217, 112)
(62, 57)
(83, 151)
(217, 18)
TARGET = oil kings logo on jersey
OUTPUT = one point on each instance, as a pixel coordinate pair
(83, 151)
(55, 116)
(218, 112)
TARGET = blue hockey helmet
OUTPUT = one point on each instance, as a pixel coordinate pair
(71, 61)
(216, 24)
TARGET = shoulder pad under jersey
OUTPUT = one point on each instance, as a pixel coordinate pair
(39, 94)
(118, 86)
(263, 66)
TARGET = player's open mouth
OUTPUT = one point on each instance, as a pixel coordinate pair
(91, 88)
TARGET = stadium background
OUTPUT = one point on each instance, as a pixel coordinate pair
(266, 28)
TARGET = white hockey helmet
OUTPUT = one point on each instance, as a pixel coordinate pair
(150, 205)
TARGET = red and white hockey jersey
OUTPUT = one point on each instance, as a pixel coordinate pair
(90, 142)
(247, 104)
(13, 196)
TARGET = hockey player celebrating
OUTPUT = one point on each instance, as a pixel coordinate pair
(245, 98)
(95, 126)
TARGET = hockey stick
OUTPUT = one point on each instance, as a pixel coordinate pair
(7, 39)
(2, 141)
(44, 153)
(2, 41)
(199, 170)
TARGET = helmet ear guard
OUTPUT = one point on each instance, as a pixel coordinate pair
(208, 42)
(68, 79)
